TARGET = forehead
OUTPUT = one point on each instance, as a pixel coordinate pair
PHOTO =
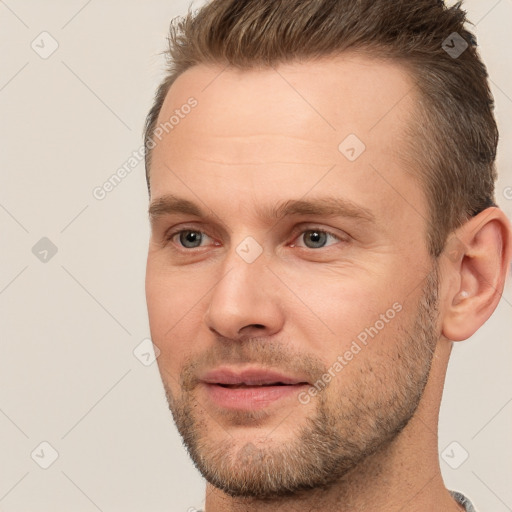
(349, 92)
(268, 130)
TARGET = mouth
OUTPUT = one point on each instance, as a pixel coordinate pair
(251, 377)
(244, 385)
(250, 389)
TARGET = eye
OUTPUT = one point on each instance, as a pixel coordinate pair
(315, 238)
(188, 238)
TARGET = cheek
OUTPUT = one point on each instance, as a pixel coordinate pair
(177, 301)
(361, 323)
(366, 363)
(339, 305)
(170, 294)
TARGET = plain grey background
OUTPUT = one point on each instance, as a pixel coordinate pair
(70, 320)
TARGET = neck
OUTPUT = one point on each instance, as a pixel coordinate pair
(403, 475)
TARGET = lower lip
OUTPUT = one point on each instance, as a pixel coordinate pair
(250, 398)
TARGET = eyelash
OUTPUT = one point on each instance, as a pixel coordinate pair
(303, 230)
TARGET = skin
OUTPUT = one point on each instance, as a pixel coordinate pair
(264, 136)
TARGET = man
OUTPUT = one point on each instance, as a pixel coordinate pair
(321, 177)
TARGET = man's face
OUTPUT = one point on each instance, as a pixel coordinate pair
(292, 346)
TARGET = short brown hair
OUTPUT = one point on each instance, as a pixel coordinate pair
(454, 134)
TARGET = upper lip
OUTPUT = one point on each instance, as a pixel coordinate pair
(250, 377)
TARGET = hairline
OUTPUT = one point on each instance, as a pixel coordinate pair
(377, 52)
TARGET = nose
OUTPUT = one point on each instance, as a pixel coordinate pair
(245, 301)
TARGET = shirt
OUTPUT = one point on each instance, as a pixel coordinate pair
(458, 496)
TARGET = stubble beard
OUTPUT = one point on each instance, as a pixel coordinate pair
(372, 410)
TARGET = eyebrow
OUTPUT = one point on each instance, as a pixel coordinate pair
(327, 206)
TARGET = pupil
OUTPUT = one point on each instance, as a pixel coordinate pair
(316, 237)
(190, 237)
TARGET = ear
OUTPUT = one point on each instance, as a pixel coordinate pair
(478, 256)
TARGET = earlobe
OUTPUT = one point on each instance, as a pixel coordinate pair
(478, 273)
